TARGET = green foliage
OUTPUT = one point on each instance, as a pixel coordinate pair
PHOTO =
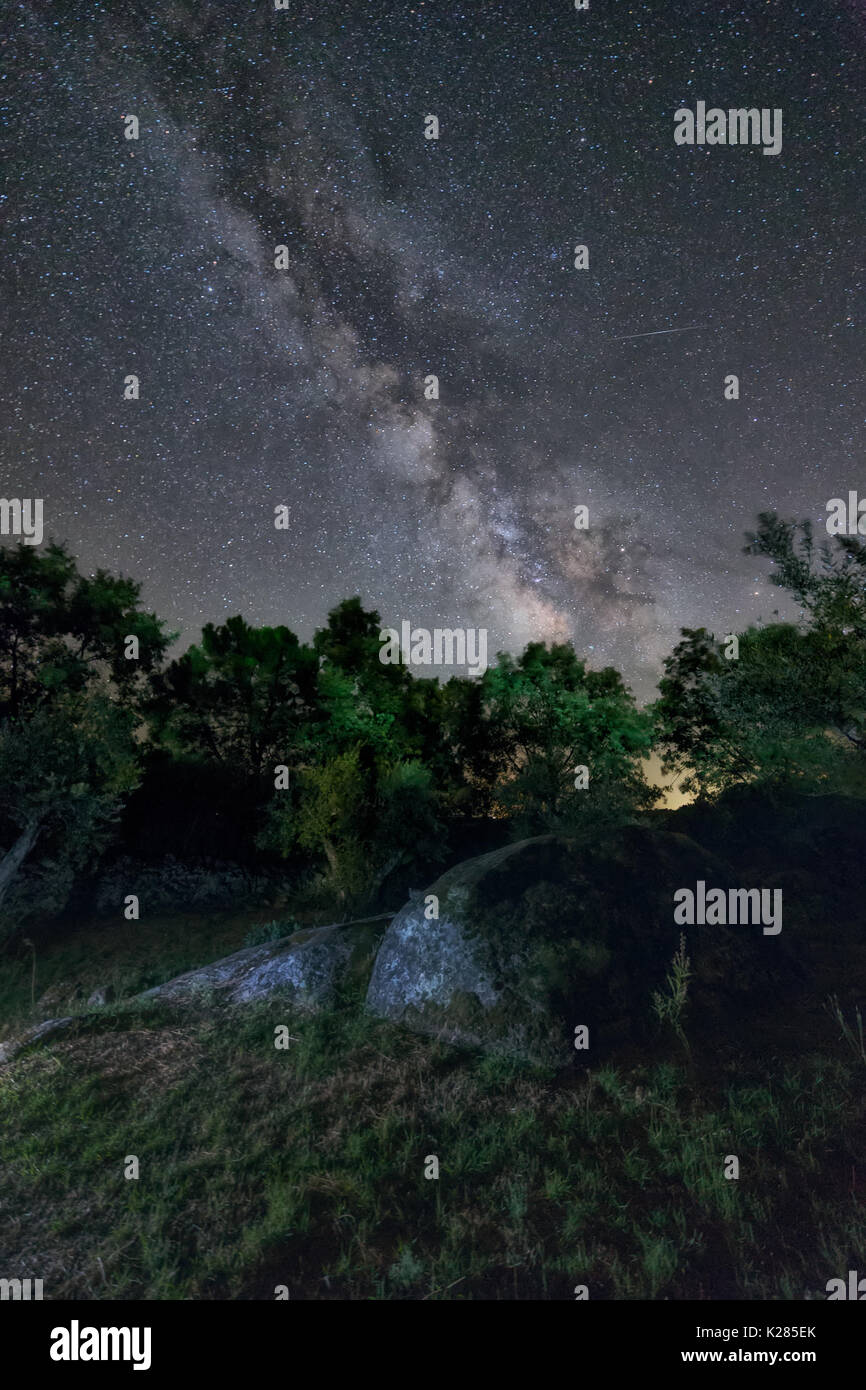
(367, 816)
(689, 729)
(546, 715)
(792, 708)
(244, 696)
(62, 632)
(381, 763)
(406, 1270)
(778, 713)
(828, 581)
(65, 771)
(70, 701)
(350, 641)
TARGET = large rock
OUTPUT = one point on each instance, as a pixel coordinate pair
(310, 966)
(539, 937)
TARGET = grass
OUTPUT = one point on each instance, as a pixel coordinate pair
(670, 1007)
(128, 956)
(306, 1167)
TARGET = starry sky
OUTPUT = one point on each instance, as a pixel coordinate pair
(305, 387)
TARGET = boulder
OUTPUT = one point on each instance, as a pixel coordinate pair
(541, 936)
(311, 966)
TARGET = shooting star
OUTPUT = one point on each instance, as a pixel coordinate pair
(654, 333)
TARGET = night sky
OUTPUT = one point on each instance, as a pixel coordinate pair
(455, 257)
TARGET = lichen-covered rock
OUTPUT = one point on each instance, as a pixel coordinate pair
(311, 966)
(540, 937)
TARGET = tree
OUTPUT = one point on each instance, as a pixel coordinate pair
(243, 696)
(65, 771)
(367, 815)
(778, 713)
(795, 697)
(829, 582)
(62, 632)
(363, 700)
(546, 716)
(71, 693)
(350, 639)
(691, 736)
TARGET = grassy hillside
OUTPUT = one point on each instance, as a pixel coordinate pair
(305, 1167)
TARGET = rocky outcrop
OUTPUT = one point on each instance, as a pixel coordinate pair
(313, 968)
(540, 937)
(515, 949)
(310, 967)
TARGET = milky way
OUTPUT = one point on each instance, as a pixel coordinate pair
(455, 257)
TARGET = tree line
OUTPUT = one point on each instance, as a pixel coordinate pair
(257, 743)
